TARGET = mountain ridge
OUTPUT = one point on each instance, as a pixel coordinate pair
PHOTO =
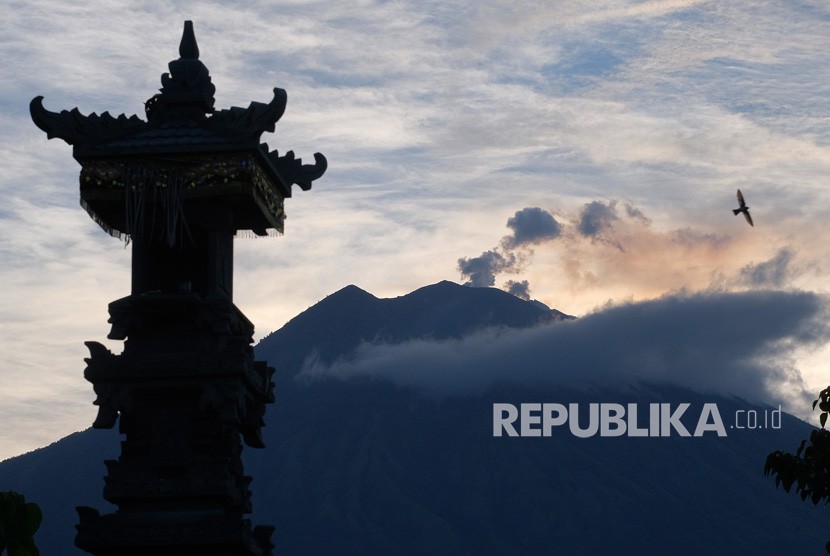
(351, 316)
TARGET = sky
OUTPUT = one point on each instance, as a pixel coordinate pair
(584, 154)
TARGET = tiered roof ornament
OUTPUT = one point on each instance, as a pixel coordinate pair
(195, 151)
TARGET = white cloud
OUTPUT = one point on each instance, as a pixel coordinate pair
(727, 344)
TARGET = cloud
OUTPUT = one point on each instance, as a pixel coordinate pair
(772, 273)
(740, 344)
(604, 245)
(610, 250)
(596, 217)
(482, 270)
(621, 254)
(532, 225)
(519, 289)
(634, 212)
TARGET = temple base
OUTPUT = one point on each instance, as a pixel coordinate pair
(186, 392)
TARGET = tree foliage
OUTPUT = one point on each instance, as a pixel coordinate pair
(19, 520)
(809, 468)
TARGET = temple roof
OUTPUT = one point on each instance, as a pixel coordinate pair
(95, 136)
(181, 119)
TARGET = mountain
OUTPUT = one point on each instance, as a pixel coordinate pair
(363, 466)
(335, 326)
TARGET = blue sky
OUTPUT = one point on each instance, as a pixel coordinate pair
(440, 121)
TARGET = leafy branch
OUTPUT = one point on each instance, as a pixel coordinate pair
(809, 468)
(19, 520)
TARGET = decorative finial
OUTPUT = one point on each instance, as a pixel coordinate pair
(188, 49)
(187, 91)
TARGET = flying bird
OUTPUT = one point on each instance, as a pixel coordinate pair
(743, 208)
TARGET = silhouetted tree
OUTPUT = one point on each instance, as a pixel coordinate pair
(809, 468)
(19, 521)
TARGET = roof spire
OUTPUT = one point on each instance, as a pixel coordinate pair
(188, 49)
(187, 91)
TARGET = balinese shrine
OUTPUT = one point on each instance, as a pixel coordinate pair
(178, 185)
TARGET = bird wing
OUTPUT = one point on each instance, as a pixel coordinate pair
(741, 199)
(748, 218)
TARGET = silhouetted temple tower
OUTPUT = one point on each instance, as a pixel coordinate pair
(179, 186)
